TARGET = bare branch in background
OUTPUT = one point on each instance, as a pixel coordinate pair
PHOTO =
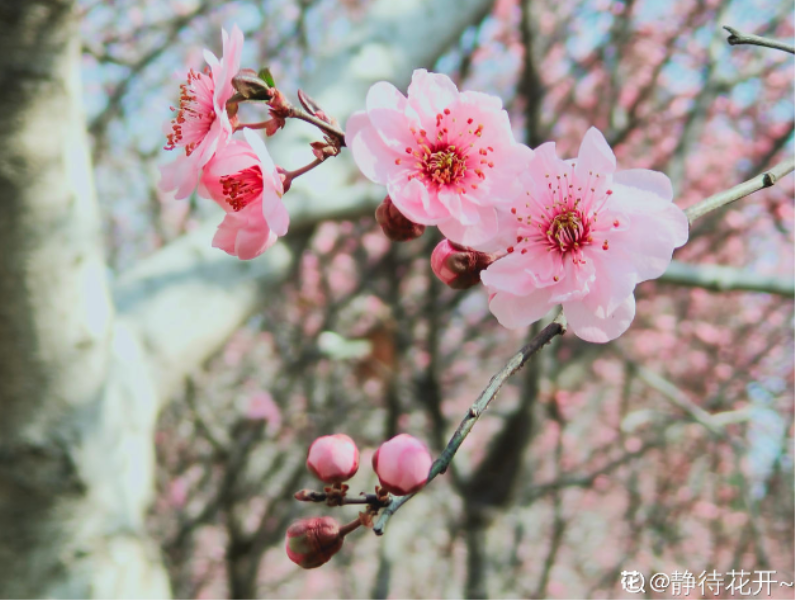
(736, 38)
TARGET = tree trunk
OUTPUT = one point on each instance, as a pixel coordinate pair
(75, 450)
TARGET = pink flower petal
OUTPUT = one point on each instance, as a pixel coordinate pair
(431, 93)
(514, 312)
(649, 181)
(386, 108)
(599, 328)
(474, 236)
(374, 158)
(595, 155)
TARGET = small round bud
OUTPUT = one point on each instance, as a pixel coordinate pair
(395, 225)
(312, 542)
(333, 458)
(459, 266)
(402, 464)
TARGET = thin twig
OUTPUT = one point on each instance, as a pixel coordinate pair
(761, 181)
(517, 361)
(736, 39)
(299, 113)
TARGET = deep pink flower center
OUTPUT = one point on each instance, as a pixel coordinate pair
(454, 155)
(242, 188)
(563, 219)
(444, 166)
(196, 112)
(568, 230)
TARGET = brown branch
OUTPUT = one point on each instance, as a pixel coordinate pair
(761, 181)
(736, 39)
(517, 361)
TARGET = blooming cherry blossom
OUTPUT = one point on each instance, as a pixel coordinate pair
(202, 126)
(446, 157)
(583, 235)
(243, 180)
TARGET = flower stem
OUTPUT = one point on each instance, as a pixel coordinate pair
(352, 526)
(299, 113)
(290, 175)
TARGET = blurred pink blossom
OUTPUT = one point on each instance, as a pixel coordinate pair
(446, 157)
(202, 125)
(243, 180)
(583, 235)
(262, 406)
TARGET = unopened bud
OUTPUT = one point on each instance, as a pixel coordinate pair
(402, 464)
(312, 542)
(250, 86)
(333, 458)
(459, 266)
(395, 225)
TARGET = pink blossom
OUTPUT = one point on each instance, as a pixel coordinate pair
(402, 464)
(446, 158)
(333, 458)
(202, 125)
(243, 180)
(583, 235)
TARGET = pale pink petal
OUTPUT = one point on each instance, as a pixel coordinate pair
(181, 175)
(275, 213)
(254, 238)
(514, 312)
(430, 93)
(650, 242)
(509, 274)
(484, 102)
(594, 326)
(595, 155)
(269, 172)
(649, 181)
(386, 108)
(374, 158)
(575, 281)
(416, 202)
(615, 281)
(459, 207)
(475, 236)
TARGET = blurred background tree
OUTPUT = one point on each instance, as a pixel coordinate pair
(158, 397)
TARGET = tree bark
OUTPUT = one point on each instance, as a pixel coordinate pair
(75, 448)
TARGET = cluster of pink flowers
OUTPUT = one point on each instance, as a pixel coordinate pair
(238, 174)
(402, 465)
(538, 231)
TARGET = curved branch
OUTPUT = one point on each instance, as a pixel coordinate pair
(517, 361)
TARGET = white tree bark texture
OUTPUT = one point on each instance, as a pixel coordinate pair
(80, 387)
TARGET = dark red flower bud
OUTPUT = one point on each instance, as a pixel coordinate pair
(459, 266)
(312, 542)
(396, 226)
